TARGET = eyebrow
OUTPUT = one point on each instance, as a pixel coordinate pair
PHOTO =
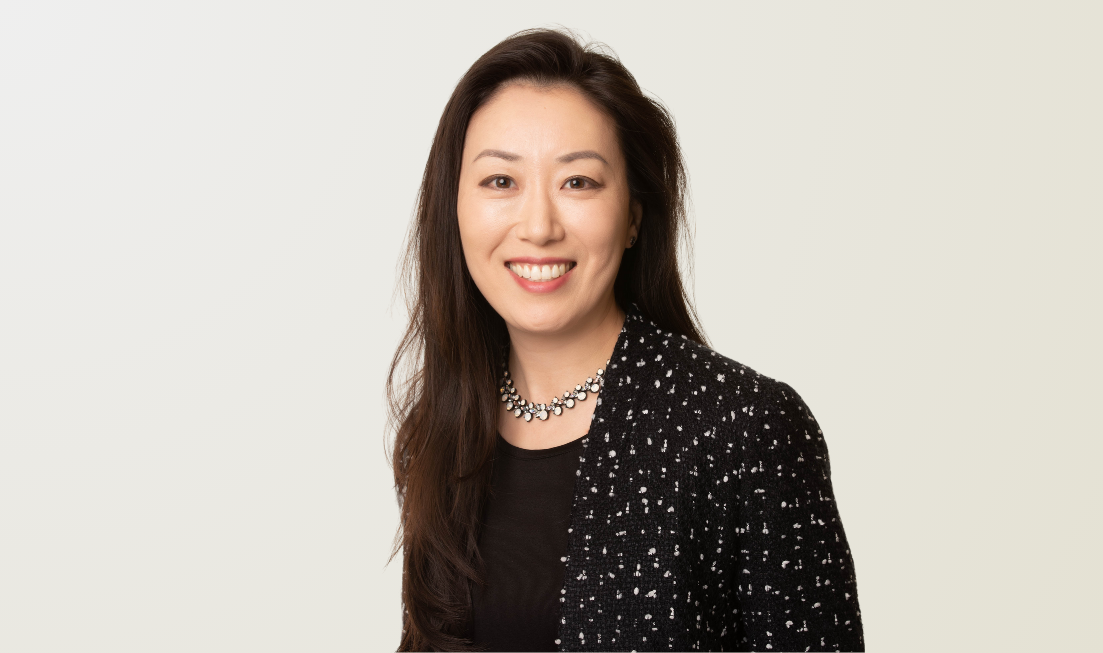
(499, 154)
(584, 154)
(566, 158)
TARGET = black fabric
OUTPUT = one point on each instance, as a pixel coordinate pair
(704, 517)
(523, 543)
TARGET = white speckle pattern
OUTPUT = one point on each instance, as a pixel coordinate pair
(740, 468)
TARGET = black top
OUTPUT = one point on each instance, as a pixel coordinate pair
(703, 517)
(523, 543)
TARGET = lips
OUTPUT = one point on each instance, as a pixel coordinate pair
(539, 270)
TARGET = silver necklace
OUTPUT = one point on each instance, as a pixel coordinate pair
(519, 406)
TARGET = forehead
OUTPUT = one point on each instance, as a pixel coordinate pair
(540, 122)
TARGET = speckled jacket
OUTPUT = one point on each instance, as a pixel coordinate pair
(703, 516)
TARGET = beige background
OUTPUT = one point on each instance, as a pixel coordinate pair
(201, 206)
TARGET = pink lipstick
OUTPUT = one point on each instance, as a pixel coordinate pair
(540, 275)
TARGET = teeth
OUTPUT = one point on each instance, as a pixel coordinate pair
(541, 272)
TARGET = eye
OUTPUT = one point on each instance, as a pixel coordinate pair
(580, 183)
(501, 183)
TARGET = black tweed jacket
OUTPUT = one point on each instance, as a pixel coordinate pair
(703, 516)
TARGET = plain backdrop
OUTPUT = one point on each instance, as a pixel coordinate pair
(897, 211)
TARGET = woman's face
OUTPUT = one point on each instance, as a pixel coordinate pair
(544, 209)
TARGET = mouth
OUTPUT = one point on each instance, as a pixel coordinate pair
(540, 270)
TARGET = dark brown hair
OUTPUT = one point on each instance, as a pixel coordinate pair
(441, 388)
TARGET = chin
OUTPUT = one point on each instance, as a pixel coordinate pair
(542, 317)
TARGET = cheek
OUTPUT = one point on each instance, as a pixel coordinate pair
(481, 230)
(470, 220)
(602, 230)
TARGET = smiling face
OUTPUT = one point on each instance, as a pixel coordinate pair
(544, 208)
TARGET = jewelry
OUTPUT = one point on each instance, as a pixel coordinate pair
(519, 406)
(632, 242)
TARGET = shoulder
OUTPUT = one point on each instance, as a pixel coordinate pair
(672, 369)
(663, 381)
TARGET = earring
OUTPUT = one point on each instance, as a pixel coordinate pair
(632, 242)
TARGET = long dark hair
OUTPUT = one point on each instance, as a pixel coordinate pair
(441, 388)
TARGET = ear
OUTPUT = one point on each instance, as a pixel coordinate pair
(635, 210)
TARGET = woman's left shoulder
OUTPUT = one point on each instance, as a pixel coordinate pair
(705, 382)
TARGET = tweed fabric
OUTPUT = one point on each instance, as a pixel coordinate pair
(703, 516)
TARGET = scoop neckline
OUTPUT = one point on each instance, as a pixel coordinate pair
(536, 454)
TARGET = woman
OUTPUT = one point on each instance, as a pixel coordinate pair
(671, 498)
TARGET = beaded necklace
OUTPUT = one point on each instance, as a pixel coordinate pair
(520, 407)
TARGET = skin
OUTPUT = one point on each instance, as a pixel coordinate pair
(526, 192)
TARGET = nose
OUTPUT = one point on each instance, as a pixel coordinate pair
(538, 221)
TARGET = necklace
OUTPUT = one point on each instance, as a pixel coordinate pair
(519, 406)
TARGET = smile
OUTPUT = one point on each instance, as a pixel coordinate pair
(541, 275)
(540, 272)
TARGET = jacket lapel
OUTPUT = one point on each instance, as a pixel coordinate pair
(622, 575)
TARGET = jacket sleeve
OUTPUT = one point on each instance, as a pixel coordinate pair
(796, 584)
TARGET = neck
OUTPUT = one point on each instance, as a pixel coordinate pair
(545, 364)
